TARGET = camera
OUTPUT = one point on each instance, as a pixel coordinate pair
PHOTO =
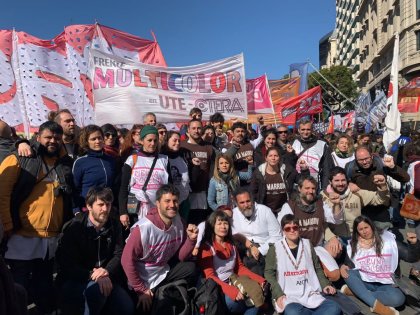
(62, 189)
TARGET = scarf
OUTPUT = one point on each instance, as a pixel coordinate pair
(341, 155)
(111, 151)
(229, 180)
(305, 208)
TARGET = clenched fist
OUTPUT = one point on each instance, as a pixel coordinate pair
(379, 180)
(192, 232)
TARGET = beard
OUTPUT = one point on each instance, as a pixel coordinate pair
(44, 151)
(309, 199)
(248, 212)
(100, 217)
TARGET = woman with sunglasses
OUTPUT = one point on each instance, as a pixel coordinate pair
(273, 181)
(372, 258)
(219, 259)
(95, 168)
(111, 141)
(146, 164)
(295, 274)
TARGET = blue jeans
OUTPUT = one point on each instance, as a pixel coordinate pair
(82, 298)
(327, 307)
(239, 307)
(368, 292)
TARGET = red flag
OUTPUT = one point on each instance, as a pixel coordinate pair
(308, 103)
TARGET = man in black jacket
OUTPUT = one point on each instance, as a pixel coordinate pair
(88, 256)
(361, 172)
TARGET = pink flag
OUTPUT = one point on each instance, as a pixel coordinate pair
(258, 96)
(42, 75)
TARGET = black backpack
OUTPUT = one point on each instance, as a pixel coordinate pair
(173, 299)
(210, 299)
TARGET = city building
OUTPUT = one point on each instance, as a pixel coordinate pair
(365, 38)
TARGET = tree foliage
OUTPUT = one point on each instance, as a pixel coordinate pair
(341, 78)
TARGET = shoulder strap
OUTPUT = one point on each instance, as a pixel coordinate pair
(144, 188)
(135, 157)
(304, 150)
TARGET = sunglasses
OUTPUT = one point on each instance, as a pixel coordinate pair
(162, 132)
(282, 132)
(109, 134)
(292, 228)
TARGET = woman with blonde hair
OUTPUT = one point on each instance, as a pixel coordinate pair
(225, 180)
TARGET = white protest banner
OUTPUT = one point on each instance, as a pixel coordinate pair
(124, 90)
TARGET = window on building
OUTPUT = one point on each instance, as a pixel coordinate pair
(418, 9)
(417, 40)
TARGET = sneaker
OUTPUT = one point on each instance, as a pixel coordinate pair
(346, 290)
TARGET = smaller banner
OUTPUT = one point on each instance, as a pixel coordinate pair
(308, 103)
(300, 70)
(282, 90)
(258, 96)
(124, 90)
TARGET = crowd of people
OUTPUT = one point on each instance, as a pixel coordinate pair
(100, 219)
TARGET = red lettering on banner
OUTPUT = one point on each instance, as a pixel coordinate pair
(218, 82)
(233, 78)
(137, 79)
(164, 80)
(153, 75)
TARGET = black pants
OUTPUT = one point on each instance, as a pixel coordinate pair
(181, 270)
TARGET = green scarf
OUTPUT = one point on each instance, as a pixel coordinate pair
(342, 155)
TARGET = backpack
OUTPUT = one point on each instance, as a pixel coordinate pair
(173, 299)
(209, 299)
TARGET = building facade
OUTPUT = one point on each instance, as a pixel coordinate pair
(365, 39)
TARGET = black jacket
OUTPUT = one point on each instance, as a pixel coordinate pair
(81, 248)
(258, 184)
(6, 147)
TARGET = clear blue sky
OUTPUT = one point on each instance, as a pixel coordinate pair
(271, 33)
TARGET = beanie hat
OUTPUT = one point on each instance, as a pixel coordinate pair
(147, 130)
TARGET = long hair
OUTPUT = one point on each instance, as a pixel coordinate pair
(232, 171)
(129, 142)
(355, 235)
(210, 224)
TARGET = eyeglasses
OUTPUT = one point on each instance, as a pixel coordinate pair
(292, 228)
(110, 134)
(280, 132)
(364, 160)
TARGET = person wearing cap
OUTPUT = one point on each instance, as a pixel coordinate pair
(134, 175)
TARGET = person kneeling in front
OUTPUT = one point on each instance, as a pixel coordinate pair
(89, 252)
(157, 248)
